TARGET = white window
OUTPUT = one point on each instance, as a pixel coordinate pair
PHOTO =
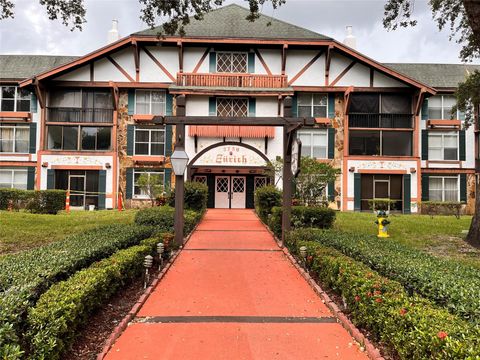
(314, 143)
(14, 138)
(149, 141)
(440, 107)
(443, 188)
(232, 62)
(235, 107)
(150, 102)
(140, 193)
(443, 145)
(13, 98)
(13, 178)
(312, 105)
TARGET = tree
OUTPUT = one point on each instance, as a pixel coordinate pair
(151, 185)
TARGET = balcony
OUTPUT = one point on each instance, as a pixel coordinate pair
(79, 115)
(232, 80)
(376, 121)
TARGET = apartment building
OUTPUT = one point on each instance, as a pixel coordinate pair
(87, 123)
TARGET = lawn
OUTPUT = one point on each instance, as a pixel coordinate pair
(23, 230)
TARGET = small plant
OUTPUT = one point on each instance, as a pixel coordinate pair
(381, 204)
(442, 208)
(195, 196)
(266, 198)
(152, 185)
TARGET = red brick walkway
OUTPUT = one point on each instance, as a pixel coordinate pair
(232, 294)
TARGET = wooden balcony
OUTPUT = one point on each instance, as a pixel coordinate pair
(232, 80)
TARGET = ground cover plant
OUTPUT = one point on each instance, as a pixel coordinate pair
(162, 218)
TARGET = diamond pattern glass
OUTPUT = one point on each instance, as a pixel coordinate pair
(231, 62)
(260, 182)
(222, 184)
(232, 107)
(238, 185)
(201, 179)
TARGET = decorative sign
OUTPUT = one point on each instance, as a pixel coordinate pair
(230, 155)
(296, 156)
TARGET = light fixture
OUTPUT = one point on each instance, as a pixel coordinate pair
(179, 160)
(148, 264)
(45, 164)
(108, 166)
(413, 170)
(352, 169)
(160, 250)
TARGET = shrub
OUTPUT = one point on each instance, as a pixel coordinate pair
(47, 201)
(16, 197)
(442, 208)
(162, 218)
(381, 204)
(266, 198)
(195, 196)
(410, 326)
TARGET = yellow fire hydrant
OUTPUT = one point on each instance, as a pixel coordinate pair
(382, 223)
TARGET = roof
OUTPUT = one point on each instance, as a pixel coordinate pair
(24, 66)
(230, 22)
(435, 75)
(214, 131)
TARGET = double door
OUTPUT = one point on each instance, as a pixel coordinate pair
(230, 192)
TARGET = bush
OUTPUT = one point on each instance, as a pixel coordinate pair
(442, 208)
(410, 326)
(162, 218)
(266, 198)
(446, 282)
(302, 217)
(17, 198)
(381, 204)
(195, 197)
(36, 201)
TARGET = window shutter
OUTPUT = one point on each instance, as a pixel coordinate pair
(33, 103)
(331, 142)
(31, 178)
(251, 62)
(213, 62)
(357, 192)
(424, 144)
(129, 184)
(250, 185)
(407, 195)
(102, 187)
(168, 178)
(131, 102)
(425, 187)
(212, 106)
(462, 145)
(130, 139)
(294, 106)
(33, 138)
(211, 191)
(50, 179)
(169, 105)
(168, 140)
(425, 109)
(331, 106)
(331, 191)
(252, 106)
(463, 187)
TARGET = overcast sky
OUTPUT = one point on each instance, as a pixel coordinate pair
(31, 32)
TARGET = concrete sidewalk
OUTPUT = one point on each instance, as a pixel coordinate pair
(232, 294)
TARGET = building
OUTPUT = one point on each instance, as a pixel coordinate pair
(86, 123)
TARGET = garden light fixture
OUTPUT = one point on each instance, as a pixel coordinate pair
(160, 251)
(179, 160)
(147, 263)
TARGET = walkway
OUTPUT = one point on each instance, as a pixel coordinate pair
(232, 294)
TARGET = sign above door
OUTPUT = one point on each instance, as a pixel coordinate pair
(230, 155)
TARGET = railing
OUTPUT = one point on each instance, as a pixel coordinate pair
(80, 115)
(399, 121)
(232, 80)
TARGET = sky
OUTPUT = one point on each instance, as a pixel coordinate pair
(31, 32)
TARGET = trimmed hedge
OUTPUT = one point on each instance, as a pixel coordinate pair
(412, 327)
(267, 197)
(195, 196)
(36, 201)
(302, 216)
(446, 282)
(162, 218)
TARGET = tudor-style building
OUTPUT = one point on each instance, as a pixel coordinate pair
(86, 123)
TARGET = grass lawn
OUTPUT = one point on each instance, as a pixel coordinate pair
(440, 235)
(22, 230)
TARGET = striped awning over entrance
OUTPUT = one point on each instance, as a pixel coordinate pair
(214, 131)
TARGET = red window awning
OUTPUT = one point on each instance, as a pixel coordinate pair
(215, 131)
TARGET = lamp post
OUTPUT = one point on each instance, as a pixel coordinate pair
(179, 160)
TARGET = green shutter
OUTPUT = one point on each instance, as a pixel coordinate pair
(212, 106)
(251, 62)
(131, 102)
(463, 187)
(129, 184)
(169, 105)
(462, 145)
(33, 138)
(425, 109)
(357, 192)
(168, 178)
(424, 144)
(249, 200)
(331, 143)
(252, 106)
(102, 188)
(33, 103)
(331, 106)
(168, 140)
(425, 187)
(31, 178)
(213, 62)
(407, 193)
(331, 191)
(294, 106)
(50, 179)
(211, 191)
(130, 139)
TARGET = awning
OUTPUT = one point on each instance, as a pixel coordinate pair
(215, 131)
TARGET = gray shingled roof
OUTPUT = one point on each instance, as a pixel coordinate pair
(15, 67)
(435, 75)
(230, 22)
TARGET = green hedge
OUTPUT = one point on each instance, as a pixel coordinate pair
(412, 327)
(446, 282)
(54, 321)
(195, 196)
(302, 216)
(36, 201)
(267, 197)
(162, 218)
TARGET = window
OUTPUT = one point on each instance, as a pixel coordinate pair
(234, 107)
(13, 98)
(79, 138)
(149, 141)
(232, 62)
(380, 142)
(13, 178)
(137, 191)
(14, 138)
(443, 145)
(200, 179)
(443, 188)
(440, 107)
(314, 143)
(150, 102)
(312, 105)
(259, 181)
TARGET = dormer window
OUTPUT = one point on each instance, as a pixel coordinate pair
(232, 62)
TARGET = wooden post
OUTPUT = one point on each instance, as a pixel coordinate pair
(179, 178)
(287, 171)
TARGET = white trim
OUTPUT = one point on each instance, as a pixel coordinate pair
(312, 105)
(457, 177)
(150, 130)
(150, 91)
(442, 135)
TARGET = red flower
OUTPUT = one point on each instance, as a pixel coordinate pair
(376, 286)
(357, 298)
(442, 335)
(369, 294)
(403, 311)
(377, 292)
(369, 275)
(309, 258)
(378, 300)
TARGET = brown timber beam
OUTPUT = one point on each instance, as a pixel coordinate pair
(247, 120)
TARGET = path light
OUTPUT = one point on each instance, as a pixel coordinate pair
(179, 160)
(160, 251)
(303, 253)
(148, 262)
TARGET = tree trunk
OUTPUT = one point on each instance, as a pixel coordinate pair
(473, 237)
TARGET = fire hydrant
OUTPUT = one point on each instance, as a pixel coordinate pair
(382, 223)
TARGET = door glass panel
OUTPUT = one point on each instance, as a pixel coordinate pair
(222, 184)
(238, 185)
(381, 190)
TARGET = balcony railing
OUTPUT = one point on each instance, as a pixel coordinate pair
(80, 115)
(394, 121)
(232, 80)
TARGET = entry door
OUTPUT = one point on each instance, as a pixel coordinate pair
(76, 185)
(238, 192)
(222, 192)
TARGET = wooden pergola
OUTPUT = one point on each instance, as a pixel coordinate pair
(290, 126)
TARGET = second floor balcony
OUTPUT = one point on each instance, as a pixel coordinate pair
(79, 115)
(235, 80)
(379, 120)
